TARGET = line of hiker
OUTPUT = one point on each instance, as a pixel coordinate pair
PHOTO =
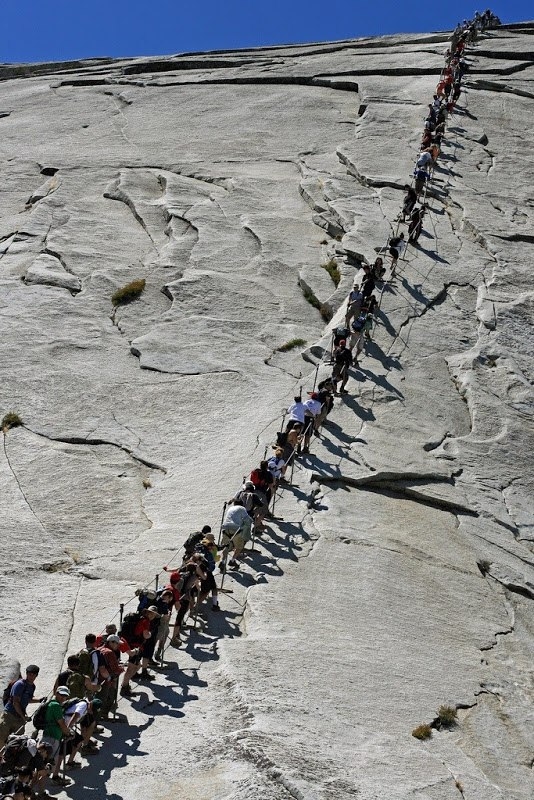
(87, 691)
(349, 340)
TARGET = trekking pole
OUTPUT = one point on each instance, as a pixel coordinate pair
(157, 581)
(121, 613)
(220, 526)
(284, 412)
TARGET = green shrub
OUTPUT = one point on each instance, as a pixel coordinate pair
(422, 732)
(326, 312)
(290, 345)
(333, 270)
(10, 420)
(310, 297)
(129, 292)
(447, 715)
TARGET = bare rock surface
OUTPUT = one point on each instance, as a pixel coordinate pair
(401, 577)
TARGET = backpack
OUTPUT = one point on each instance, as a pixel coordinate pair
(39, 718)
(15, 745)
(146, 598)
(86, 662)
(192, 541)
(359, 323)
(7, 691)
(128, 626)
(76, 683)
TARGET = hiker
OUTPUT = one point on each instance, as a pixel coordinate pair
(250, 497)
(296, 412)
(409, 202)
(339, 333)
(354, 303)
(20, 696)
(313, 409)
(55, 729)
(192, 540)
(80, 712)
(90, 660)
(378, 269)
(209, 552)
(425, 159)
(24, 751)
(191, 575)
(416, 224)
(368, 288)
(109, 673)
(356, 339)
(164, 603)
(275, 465)
(72, 677)
(262, 479)
(293, 440)
(236, 531)
(420, 178)
(342, 363)
(140, 631)
(396, 248)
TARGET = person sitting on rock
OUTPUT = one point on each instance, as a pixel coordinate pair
(342, 364)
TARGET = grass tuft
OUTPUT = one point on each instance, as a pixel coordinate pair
(10, 420)
(284, 348)
(333, 270)
(147, 483)
(128, 293)
(310, 297)
(447, 715)
(422, 732)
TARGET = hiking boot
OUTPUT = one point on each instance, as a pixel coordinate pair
(158, 655)
(89, 749)
(59, 780)
(175, 641)
(127, 692)
(99, 729)
(73, 765)
(233, 564)
(215, 607)
(145, 675)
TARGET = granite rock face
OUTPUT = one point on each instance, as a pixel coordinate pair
(401, 577)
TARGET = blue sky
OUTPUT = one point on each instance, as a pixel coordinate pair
(58, 30)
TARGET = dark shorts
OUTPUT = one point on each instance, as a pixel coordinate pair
(394, 252)
(209, 584)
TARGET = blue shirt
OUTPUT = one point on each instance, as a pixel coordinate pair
(22, 689)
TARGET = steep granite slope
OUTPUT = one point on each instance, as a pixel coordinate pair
(402, 575)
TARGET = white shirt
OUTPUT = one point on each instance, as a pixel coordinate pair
(312, 406)
(275, 466)
(76, 708)
(236, 516)
(296, 411)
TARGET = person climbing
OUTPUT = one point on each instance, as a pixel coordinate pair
(313, 409)
(354, 304)
(421, 176)
(396, 248)
(416, 224)
(296, 413)
(410, 200)
(378, 269)
(342, 364)
(236, 531)
(20, 696)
